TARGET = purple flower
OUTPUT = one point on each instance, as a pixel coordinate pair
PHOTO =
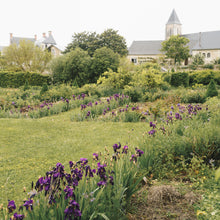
(13, 103)
(95, 156)
(111, 181)
(68, 192)
(67, 100)
(139, 152)
(116, 147)
(152, 125)
(11, 206)
(28, 204)
(17, 217)
(74, 97)
(72, 211)
(133, 108)
(88, 114)
(71, 164)
(96, 103)
(101, 183)
(152, 132)
(125, 149)
(172, 107)
(133, 158)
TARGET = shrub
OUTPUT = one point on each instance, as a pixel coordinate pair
(211, 90)
(209, 66)
(18, 79)
(180, 78)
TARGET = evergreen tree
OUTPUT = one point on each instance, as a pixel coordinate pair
(211, 90)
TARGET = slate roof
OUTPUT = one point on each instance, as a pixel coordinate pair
(18, 39)
(145, 48)
(205, 40)
(173, 18)
(49, 40)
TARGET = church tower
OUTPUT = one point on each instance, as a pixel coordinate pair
(173, 26)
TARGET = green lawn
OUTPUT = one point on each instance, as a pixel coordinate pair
(28, 148)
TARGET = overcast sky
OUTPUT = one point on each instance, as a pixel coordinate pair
(134, 19)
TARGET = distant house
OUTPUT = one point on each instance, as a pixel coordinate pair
(204, 43)
(46, 42)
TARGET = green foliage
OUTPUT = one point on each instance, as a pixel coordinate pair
(103, 59)
(90, 42)
(198, 59)
(175, 48)
(209, 66)
(211, 90)
(193, 96)
(17, 79)
(27, 56)
(44, 89)
(204, 77)
(179, 79)
(72, 67)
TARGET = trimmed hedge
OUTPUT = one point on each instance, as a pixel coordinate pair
(17, 79)
(179, 79)
(204, 77)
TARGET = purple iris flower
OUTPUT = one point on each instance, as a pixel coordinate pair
(13, 103)
(101, 183)
(125, 149)
(95, 156)
(72, 211)
(152, 132)
(71, 164)
(17, 217)
(67, 100)
(68, 192)
(28, 204)
(152, 125)
(11, 206)
(139, 152)
(133, 108)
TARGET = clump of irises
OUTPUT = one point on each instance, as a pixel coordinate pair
(58, 183)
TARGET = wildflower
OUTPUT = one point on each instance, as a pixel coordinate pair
(152, 125)
(125, 149)
(83, 95)
(152, 132)
(133, 158)
(116, 147)
(13, 103)
(71, 164)
(72, 210)
(101, 183)
(68, 192)
(67, 100)
(111, 181)
(73, 97)
(172, 107)
(28, 204)
(139, 152)
(95, 156)
(133, 108)
(11, 206)
(96, 103)
(88, 114)
(17, 217)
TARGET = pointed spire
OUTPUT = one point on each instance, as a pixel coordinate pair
(173, 18)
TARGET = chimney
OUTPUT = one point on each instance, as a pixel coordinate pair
(50, 33)
(35, 37)
(44, 35)
(11, 36)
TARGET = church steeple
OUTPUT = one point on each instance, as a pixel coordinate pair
(173, 26)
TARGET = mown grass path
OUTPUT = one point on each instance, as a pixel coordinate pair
(28, 147)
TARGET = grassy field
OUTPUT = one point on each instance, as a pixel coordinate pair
(29, 147)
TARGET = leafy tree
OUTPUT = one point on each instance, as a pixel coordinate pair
(27, 56)
(72, 67)
(176, 48)
(103, 59)
(90, 42)
(111, 39)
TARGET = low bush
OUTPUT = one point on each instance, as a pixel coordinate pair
(18, 79)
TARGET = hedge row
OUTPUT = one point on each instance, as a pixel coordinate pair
(17, 79)
(191, 78)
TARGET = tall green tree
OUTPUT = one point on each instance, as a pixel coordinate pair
(111, 39)
(90, 42)
(72, 67)
(176, 48)
(103, 59)
(27, 57)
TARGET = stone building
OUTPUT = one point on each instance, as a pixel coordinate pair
(204, 43)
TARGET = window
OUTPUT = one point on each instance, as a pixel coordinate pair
(134, 60)
(203, 54)
(208, 55)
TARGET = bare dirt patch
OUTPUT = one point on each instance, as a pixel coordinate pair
(163, 202)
